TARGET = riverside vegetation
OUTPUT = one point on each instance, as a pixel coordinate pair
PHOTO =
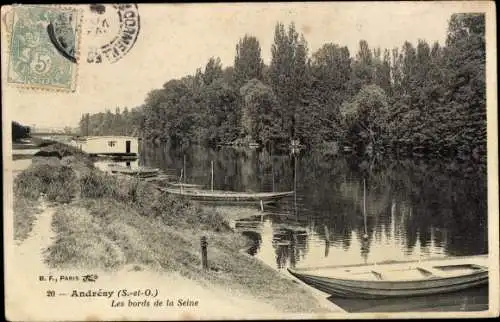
(417, 99)
(106, 222)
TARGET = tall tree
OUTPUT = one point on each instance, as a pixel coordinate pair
(382, 71)
(465, 61)
(221, 113)
(213, 71)
(260, 112)
(366, 116)
(362, 68)
(248, 62)
(288, 74)
(330, 73)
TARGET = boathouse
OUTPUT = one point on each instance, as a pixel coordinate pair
(107, 145)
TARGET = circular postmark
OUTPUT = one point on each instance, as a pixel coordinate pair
(61, 34)
(112, 30)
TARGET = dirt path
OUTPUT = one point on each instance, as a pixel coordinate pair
(212, 301)
(30, 251)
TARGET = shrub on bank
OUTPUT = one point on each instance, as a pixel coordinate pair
(62, 183)
(56, 182)
(95, 184)
(174, 210)
(64, 150)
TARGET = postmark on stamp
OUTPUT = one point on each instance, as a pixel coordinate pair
(43, 47)
(111, 31)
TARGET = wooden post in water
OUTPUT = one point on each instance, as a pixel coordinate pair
(204, 259)
(87, 120)
(295, 184)
(262, 211)
(212, 185)
(272, 170)
(365, 236)
(327, 240)
(181, 179)
(184, 168)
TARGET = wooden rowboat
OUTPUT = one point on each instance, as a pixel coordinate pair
(398, 279)
(140, 172)
(227, 196)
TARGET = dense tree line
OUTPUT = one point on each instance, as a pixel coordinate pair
(424, 98)
(122, 122)
(20, 131)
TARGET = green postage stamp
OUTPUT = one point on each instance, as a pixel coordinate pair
(44, 47)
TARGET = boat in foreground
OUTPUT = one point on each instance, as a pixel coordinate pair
(227, 196)
(398, 279)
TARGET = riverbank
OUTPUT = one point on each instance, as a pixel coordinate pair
(107, 223)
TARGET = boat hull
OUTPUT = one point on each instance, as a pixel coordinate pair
(143, 173)
(137, 174)
(349, 291)
(228, 197)
(373, 289)
(184, 185)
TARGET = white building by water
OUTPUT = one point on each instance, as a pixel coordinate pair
(107, 145)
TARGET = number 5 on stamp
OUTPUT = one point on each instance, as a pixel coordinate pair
(43, 48)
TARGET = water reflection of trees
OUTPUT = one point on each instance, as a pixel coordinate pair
(410, 202)
(290, 246)
(424, 198)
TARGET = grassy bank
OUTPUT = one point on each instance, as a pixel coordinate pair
(25, 212)
(106, 222)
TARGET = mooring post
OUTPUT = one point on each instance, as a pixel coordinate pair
(212, 182)
(204, 260)
(365, 236)
(272, 169)
(184, 168)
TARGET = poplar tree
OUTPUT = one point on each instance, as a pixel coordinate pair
(248, 62)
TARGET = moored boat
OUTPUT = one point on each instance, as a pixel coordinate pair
(227, 196)
(398, 279)
(140, 172)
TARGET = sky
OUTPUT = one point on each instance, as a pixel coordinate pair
(176, 39)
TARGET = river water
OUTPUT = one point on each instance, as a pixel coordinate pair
(415, 209)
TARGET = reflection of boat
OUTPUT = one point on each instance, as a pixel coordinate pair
(140, 172)
(228, 196)
(398, 279)
(124, 158)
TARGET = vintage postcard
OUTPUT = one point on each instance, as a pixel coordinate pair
(250, 161)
